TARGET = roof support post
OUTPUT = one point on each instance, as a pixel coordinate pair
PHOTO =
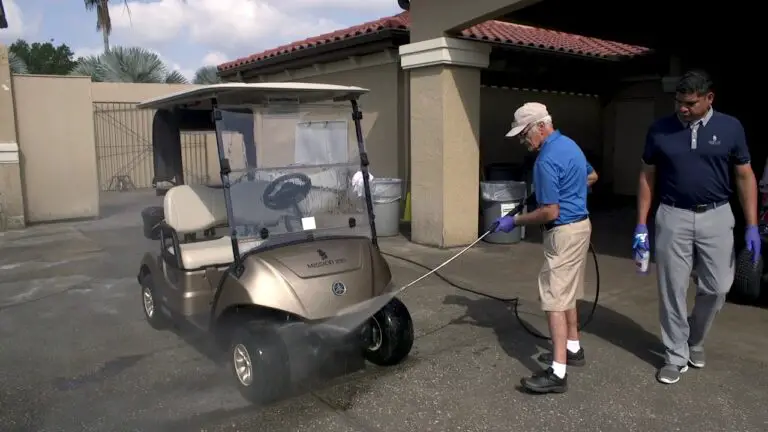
(444, 76)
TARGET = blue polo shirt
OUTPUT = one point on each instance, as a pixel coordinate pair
(560, 175)
(693, 164)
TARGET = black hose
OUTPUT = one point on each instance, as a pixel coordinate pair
(515, 301)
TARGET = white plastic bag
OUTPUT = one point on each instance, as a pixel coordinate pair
(358, 185)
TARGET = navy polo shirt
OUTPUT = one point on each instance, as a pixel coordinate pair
(560, 175)
(693, 164)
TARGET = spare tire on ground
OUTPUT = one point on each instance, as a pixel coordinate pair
(152, 216)
(747, 280)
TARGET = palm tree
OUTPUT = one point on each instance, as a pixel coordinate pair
(17, 63)
(103, 20)
(207, 75)
(129, 65)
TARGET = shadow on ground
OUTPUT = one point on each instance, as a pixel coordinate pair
(607, 324)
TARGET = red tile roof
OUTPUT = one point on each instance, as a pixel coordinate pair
(491, 31)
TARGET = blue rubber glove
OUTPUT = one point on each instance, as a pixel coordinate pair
(506, 224)
(640, 240)
(752, 239)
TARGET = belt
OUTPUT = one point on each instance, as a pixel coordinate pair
(697, 208)
(552, 225)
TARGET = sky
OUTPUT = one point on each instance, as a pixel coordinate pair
(188, 34)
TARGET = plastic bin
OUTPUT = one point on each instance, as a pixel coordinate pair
(151, 218)
(497, 198)
(386, 194)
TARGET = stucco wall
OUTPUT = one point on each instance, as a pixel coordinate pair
(383, 113)
(58, 140)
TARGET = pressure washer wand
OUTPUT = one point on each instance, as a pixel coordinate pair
(493, 227)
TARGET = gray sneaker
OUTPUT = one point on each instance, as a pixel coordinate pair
(670, 374)
(697, 358)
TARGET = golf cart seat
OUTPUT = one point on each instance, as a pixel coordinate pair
(193, 209)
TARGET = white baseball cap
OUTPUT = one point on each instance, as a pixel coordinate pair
(527, 114)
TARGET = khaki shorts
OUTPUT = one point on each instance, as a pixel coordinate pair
(561, 280)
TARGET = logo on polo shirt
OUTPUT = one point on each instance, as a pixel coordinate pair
(714, 140)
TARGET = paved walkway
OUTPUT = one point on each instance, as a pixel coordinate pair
(76, 354)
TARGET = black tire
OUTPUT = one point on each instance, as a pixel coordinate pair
(153, 315)
(395, 327)
(748, 277)
(151, 217)
(269, 364)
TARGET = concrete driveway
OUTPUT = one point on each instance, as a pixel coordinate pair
(76, 354)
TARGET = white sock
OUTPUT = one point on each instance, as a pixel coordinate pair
(559, 369)
(573, 346)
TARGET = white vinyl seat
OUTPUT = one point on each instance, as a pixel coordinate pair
(195, 208)
(217, 252)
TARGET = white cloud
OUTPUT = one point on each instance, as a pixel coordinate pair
(16, 25)
(347, 5)
(222, 24)
(215, 58)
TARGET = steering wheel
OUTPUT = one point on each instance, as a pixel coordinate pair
(283, 193)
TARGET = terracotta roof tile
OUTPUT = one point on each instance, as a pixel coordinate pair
(523, 35)
(491, 31)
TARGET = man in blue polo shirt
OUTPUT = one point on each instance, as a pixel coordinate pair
(561, 175)
(687, 160)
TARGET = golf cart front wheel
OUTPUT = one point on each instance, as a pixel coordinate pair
(151, 304)
(391, 337)
(748, 277)
(259, 363)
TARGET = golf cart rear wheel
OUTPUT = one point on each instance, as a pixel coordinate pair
(151, 305)
(391, 335)
(259, 362)
(748, 277)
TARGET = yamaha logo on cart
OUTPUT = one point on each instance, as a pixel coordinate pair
(338, 288)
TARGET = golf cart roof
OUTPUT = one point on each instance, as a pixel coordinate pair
(199, 98)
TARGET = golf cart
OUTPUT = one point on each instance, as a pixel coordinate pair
(287, 241)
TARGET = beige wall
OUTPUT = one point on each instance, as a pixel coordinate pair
(54, 123)
(383, 113)
(11, 196)
(578, 116)
(75, 136)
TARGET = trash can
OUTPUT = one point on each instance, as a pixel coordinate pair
(386, 194)
(151, 217)
(497, 198)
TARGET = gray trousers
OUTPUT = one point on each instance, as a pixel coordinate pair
(681, 236)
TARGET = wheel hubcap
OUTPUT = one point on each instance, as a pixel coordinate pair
(376, 335)
(149, 304)
(243, 368)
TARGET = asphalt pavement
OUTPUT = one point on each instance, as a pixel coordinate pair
(77, 355)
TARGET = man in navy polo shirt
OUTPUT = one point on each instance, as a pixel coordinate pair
(561, 175)
(688, 159)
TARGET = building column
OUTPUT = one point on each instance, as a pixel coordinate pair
(445, 132)
(11, 198)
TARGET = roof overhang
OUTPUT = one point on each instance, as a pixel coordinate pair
(368, 43)
(201, 98)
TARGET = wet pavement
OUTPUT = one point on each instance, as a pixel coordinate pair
(77, 355)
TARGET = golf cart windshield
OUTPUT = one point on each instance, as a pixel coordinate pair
(293, 172)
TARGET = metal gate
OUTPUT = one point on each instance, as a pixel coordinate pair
(124, 148)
